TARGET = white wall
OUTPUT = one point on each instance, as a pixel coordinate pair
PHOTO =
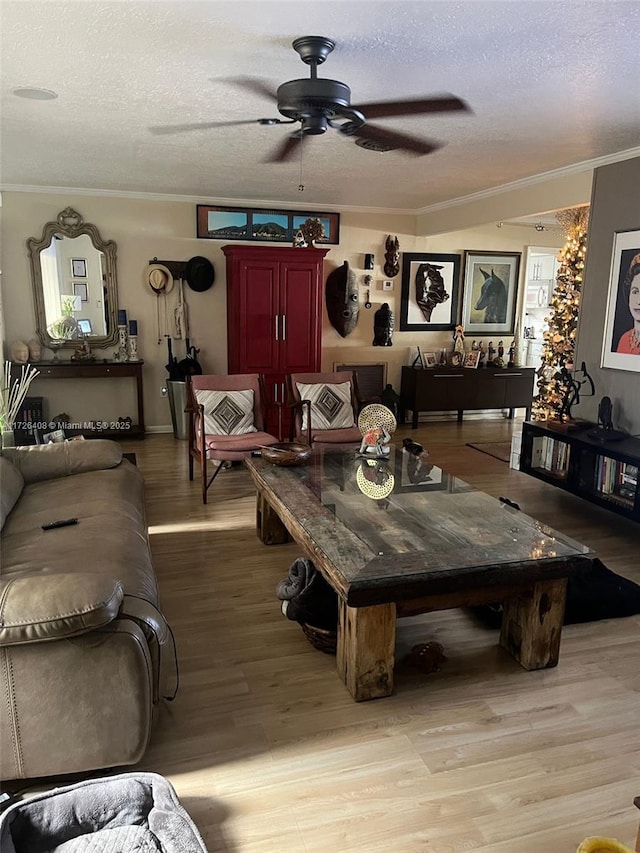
(147, 229)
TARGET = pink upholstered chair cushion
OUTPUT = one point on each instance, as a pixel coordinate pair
(243, 438)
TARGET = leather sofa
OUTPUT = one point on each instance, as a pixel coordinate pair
(85, 653)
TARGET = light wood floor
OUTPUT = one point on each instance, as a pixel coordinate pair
(268, 752)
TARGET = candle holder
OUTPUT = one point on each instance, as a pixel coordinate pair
(133, 348)
(123, 344)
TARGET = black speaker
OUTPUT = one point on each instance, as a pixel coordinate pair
(368, 262)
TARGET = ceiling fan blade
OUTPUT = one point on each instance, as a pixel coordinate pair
(287, 148)
(395, 140)
(165, 130)
(440, 104)
(255, 85)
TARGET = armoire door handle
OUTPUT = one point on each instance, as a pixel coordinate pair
(276, 319)
(284, 327)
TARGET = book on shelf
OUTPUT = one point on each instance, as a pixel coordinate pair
(615, 478)
(549, 454)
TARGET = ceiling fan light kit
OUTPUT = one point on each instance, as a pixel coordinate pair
(317, 104)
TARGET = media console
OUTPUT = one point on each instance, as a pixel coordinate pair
(442, 389)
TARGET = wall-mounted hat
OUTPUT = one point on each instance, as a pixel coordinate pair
(199, 273)
(158, 278)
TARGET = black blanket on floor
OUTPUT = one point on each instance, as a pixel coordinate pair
(599, 594)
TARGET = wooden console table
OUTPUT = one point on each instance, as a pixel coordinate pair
(97, 370)
(443, 389)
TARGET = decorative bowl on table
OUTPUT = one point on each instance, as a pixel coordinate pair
(286, 453)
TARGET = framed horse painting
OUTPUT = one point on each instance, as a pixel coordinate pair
(490, 292)
(430, 286)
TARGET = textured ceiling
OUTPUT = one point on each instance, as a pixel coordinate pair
(550, 84)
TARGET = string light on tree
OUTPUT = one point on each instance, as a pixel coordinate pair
(560, 336)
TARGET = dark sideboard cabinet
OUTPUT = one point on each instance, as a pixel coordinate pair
(443, 389)
(605, 473)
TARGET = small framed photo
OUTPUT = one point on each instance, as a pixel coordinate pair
(79, 267)
(430, 359)
(80, 289)
(57, 436)
(621, 341)
(471, 359)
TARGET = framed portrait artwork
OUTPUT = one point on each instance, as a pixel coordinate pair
(621, 340)
(490, 292)
(430, 286)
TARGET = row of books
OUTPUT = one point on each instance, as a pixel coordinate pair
(615, 478)
(549, 454)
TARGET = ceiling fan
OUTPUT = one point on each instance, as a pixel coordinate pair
(317, 103)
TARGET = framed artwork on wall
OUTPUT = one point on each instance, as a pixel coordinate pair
(430, 287)
(260, 224)
(80, 289)
(621, 340)
(490, 292)
(79, 267)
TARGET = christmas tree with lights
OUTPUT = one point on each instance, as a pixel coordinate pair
(560, 337)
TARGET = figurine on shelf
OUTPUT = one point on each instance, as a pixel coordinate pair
(491, 353)
(312, 230)
(458, 340)
(512, 354)
(83, 352)
(482, 356)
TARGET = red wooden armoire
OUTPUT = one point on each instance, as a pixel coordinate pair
(274, 316)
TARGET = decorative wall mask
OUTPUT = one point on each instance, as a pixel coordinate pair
(383, 324)
(430, 290)
(391, 257)
(342, 299)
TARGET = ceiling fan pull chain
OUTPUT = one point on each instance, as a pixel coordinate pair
(301, 185)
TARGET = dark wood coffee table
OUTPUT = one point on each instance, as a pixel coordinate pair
(432, 543)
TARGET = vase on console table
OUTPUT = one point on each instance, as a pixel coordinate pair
(123, 344)
(55, 345)
(133, 341)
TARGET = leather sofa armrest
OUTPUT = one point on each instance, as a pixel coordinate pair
(48, 461)
(39, 608)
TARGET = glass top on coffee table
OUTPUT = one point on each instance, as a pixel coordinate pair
(400, 527)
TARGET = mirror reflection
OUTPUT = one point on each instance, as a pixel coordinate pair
(74, 280)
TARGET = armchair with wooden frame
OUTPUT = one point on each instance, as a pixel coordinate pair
(245, 430)
(316, 406)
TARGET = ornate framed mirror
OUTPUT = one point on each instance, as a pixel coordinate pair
(75, 288)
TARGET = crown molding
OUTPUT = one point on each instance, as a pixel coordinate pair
(523, 183)
(189, 199)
